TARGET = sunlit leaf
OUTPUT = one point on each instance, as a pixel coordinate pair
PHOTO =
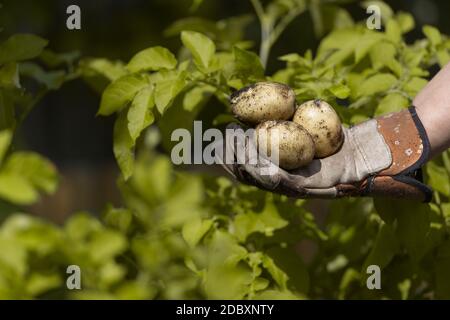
(140, 115)
(123, 145)
(120, 92)
(201, 47)
(432, 34)
(151, 59)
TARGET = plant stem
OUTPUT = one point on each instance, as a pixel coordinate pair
(266, 30)
(284, 22)
(259, 9)
(269, 33)
(36, 99)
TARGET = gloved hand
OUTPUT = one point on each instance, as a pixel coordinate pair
(379, 157)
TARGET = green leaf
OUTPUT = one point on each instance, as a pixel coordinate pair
(80, 226)
(17, 189)
(118, 218)
(413, 224)
(432, 34)
(405, 21)
(52, 79)
(9, 75)
(184, 202)
(392, 102)
(414, 56)
(106, 244)
(280, 277)
(414, 85)
(21, 47)
(247, 64)
(224, 249)
(223, 282)
(350, 276)
(13, 257)
(135, 290)
(396, 67)
(393, 31)
(335, 17)
(193, 231)
(260, 284)
(23, 175)
(337, 263)
(123, 145)
(413, 227)
(438, 178)
(167, 90)
(265, 222)
(196, 97)
(5, 141)
(292, 265)
(140, 115)
(340, 45)
(39, 283)
(443, 56)
(365, 45)
(40, 172)
(339, 39)
(118, 93)
(382, 54)
(201, 47)
(111, 70)
(152, 59)
(404, 288)
(340, 91)
(380, 82)
(384, 248)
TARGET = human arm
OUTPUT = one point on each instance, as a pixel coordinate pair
(433, 108)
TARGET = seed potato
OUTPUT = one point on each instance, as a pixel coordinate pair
(323, 124)
(296, 147)
(263, 101)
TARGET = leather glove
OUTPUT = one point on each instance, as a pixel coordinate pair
(379, 157)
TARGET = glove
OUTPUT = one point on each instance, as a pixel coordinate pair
(379, 157)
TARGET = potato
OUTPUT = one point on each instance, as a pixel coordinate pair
(296, 147)
(263, 101)
(323, 124)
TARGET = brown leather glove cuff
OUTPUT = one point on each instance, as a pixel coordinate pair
(407, 140)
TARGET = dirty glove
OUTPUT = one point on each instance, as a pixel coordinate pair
(379, 157)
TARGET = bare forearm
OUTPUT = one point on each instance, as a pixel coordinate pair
(433, 108)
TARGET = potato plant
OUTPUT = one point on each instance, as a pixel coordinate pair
(184, 234)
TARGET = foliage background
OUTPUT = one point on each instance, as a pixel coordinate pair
(170, 232)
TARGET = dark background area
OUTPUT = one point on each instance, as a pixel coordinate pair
(64, 126)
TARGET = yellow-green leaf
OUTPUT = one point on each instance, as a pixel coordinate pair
(201, 47)
(123, 145)
(152, 59)
(392, 102)
(140, 115)
(118, 93)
